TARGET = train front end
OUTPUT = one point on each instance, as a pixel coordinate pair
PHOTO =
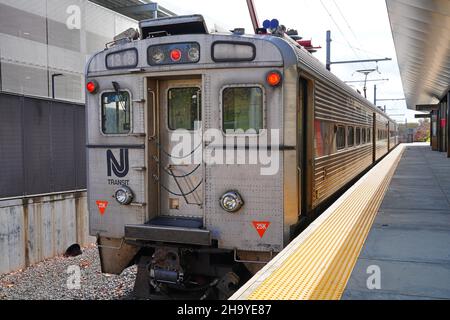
(187, 156)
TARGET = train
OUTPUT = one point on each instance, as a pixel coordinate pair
(208, 152)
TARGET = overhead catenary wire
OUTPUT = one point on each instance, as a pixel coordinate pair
(339, 28)
(341, 31)
(349, 26)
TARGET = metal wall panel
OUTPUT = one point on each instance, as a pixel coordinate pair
(80, 147)
(42, 146)
(63, 150)
(37, 146)
(11, 155)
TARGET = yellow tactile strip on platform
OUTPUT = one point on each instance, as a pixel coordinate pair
(319, 266)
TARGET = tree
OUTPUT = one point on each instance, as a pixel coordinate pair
(423, 131)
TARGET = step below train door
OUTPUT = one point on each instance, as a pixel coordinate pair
(179, 146)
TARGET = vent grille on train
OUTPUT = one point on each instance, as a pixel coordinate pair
(172, 26)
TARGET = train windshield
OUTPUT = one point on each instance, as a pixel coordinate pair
(116, 116)
(243, 109)
(184, 108)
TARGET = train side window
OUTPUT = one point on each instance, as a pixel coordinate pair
(340, 137)
(184, 106)
(351, 136)
(358, 136)
(369, 135)
(364, 136)
(116, 114)
(242, 109)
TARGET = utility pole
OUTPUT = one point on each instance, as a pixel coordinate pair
(329, 50)
(329, 62)
(253, 15)
(366, 74)
(375, 95)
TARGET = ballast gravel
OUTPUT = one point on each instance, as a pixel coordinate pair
(56, 279)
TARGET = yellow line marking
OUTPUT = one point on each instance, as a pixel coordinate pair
(320, 265)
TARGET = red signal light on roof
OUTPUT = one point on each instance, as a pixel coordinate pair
(175, 55)
(274, 78)
(92, 87)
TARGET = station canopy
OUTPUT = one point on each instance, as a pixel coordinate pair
(135, 9)
(421, 32)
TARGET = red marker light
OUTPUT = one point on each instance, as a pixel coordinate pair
(92, 87)
(175, 55)
(274, 78)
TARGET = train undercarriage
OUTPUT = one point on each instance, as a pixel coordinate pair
(172, 273)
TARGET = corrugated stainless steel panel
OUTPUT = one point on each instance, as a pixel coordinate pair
(335, 171)
(336, 106)
(310, 64)
(421, 35)
(11, 152)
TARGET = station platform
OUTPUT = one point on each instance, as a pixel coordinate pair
(386, 238)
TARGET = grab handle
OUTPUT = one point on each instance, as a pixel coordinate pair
(153, 136)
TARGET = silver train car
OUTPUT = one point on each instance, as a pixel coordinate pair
(203, 226)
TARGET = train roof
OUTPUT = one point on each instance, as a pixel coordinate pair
(291, 51)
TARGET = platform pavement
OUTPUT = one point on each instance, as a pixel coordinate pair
(410, 239)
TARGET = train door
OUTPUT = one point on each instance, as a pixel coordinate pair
(389, 135)
(305, 125)
(178, 152)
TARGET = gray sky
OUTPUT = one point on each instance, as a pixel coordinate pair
(360, 30)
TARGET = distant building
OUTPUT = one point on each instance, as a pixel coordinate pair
(43, 141)
(40, 38)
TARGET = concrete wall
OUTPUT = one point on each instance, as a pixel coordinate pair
(38, 228)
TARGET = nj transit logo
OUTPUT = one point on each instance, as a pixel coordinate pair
(119, 168)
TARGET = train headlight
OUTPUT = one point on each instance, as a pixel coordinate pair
(231, 201)
(158, 56)
(194, 54)
(124, 195)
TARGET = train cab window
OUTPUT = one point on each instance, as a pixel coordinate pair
(358, 136)
(351, 136)
(243, 109)
(116, 115)
(364, 136)
(184, 106)
(340, 137)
